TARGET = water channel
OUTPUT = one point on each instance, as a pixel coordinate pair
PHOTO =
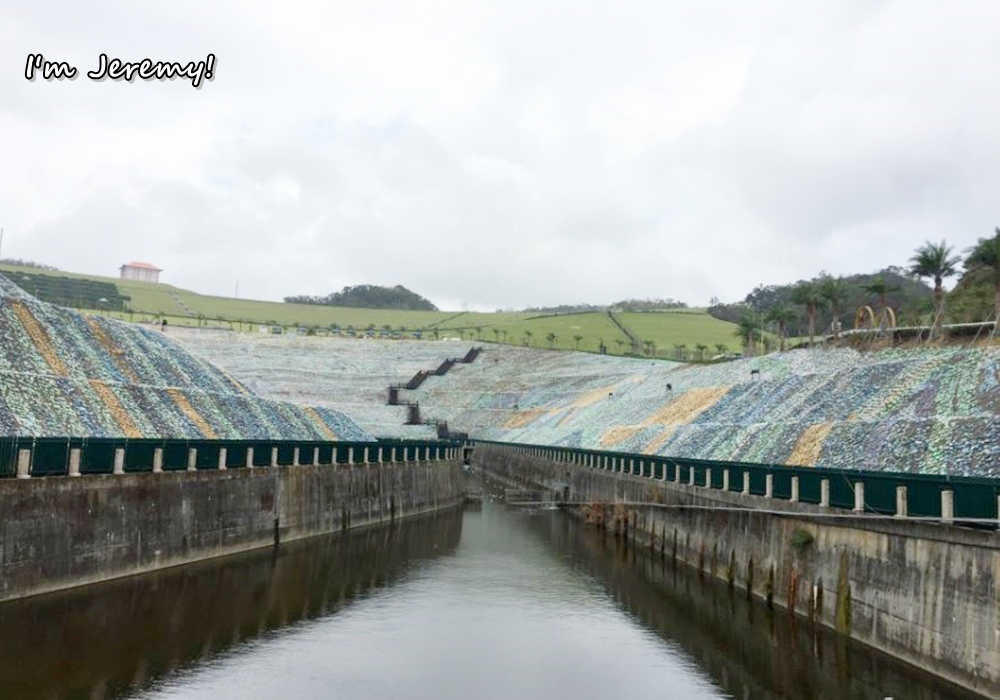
(489, 602)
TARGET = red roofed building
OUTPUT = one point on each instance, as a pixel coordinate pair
(144, 272)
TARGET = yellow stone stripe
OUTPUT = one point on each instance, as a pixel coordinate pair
(618, 435)
(116, 352)
(660, 440)
(810, 443)
(327, 430)
(688, 406)
(40, 338)
(118, 411)
(520, 419)
(188, 409)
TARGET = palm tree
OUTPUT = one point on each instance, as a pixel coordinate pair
(834, 290)
(479, 333)
(646, 345)
(808, 294)
(748, 331)
(721, 348)
(551, 337)
(576, 340)
(527, 337)
(781, 315)
(496, 334)
(935, 260)
(701, 348)
(620, 343)
(881, 289)
(986, 254)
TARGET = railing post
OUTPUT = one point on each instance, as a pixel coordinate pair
(157, 460)
(249, 458)
(725, 479)
(274, 456)
(119, 460)
(859, 497)
(393, 455)
(379, 457)
(295, 456)
(315, 456)
(663, 472)
(222, 459)
(824, 493)
(691, 476)
(74, 461)
(746, 483)
(192, 459)
(795, 490)
(769, 486)
(901, 505)
(708, 477)
(947, 506)
(350, 455)
(24, 463)
(367, 460)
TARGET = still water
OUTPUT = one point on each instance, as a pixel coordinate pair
(484, 603)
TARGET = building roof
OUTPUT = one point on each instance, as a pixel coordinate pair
(143, 266)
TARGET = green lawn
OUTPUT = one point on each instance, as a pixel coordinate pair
(668, 329)
(583, 331)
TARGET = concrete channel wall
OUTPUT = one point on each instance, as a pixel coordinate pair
(59, 532)
(923, 592)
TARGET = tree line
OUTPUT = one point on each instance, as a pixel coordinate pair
(827, 304)
(369, 296)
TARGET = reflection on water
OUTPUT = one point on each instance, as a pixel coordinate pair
(111, 639)
(750, 650)
(492, 603)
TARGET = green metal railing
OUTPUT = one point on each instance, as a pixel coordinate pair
(52, 456)
(973, 498)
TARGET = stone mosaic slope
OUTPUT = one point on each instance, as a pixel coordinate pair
(347, 374)
(66, 374)
(921, 411)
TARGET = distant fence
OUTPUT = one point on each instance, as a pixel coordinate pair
(946, 498)
(34, 457)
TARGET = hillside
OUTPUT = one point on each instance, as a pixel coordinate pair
(66, 374)
(144, 301)
(931, 411)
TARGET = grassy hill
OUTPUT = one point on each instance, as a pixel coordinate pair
(584, 331)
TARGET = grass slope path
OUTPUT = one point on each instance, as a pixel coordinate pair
(929, 411)
(66, 374)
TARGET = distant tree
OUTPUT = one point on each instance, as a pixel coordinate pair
(781, 316)
(748, 331)
(701, 348)
(721, 348)
(881, 289)
(621, 344)
(552, 337)
(576, 341)
(935, 260)
(986, 255)
(496, 334)
(527, 337)
(646, 347)
(369, 296)
(808, 294)
(479, 333)
(834, 291)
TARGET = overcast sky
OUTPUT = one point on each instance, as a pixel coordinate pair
(502, 154)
